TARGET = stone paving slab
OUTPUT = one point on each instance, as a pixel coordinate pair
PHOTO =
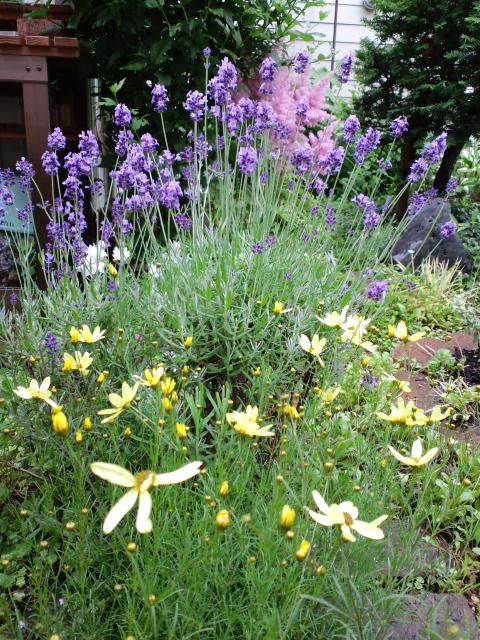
(432, 615)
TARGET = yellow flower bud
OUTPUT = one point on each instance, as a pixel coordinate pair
(59, 421)
(127, 432)
(78, 436)
(223, 519)
(302, 551)
(224, 489)
(70, 526)
(466, 482)
(328, 466)
(185, 370)
(55, 637)
(181, 430)
(187, 343)
(257, 372)
(174, 397)
(74, 335)
(112, 270)
(278, 308)
(365, 362)
(287, 517)
(87, 423)
(131, 546)
(102, 377)
(167, 404)
(167, 386)
(321, 570)
(290, 534)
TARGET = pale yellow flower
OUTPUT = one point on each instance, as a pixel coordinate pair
(119, 403)
(314, 346)
(329, 395)
(401, 332)
(79, 362)
(245, 422)
(335, 319)
(36, 392)
(167, 386)
(416, 459)
(403, 385)
(139, 485)
(90, 337)
(345, 515)
(434, 416)
(406, 414)
(74, 335)
(354, 328)
(152, 377)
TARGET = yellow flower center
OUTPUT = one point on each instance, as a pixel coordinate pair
(144, 480)
(348, 519)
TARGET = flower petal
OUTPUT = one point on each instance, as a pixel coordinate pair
(320, 502)
(23, 392)
(45, 384)
(417, 449)
(404, 459)
(428, 456)
(180, 475)
(347, 533)
(369, 529)
(113, 473)
(144, 524)
(321, 519)
(119, 510)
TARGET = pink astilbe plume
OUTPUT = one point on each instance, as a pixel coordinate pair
(288, 90)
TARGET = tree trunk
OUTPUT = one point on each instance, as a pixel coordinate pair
(446, 166)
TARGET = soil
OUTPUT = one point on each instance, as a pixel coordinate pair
(471, 369)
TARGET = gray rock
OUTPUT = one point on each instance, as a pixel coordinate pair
(421, 238)
(434, 615)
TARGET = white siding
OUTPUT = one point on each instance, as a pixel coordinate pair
(350, 30)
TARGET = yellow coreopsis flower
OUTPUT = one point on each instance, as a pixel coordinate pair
(152, 377)
(401, 332)
(416, 459)
(314, 346)
(329, 395)
(406, 414)
(119, 403)
(335, 319)
(187, 343)
(59, 421)
(36, 392)
(139, 485)
(245, 422)
(102, 376)
(278, 308)
(434, 416)
(90, 337)
(74, 335)
(291, 411)
(287, 517)
(167, 386)
(345, 515)
(80, 362)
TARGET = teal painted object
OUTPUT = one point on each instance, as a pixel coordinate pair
(11, 222)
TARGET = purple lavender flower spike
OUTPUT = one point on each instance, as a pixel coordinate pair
(159, 98)
(418, 170)
(432, 153)
(268, 69)
(227, 74)
(195, 104)
(398, 127)
(366, 144)
(247, 160)
(170, 194)
(377, 290)
(51, 344)
(302, 159)
(56, 140)
(330, 217)
(183, 222)
(451, 186)
(257, 248)
(301, 110)
(351, 128)
(346, 67)
(384, 165)
(122, 116)
(50, 163)
(448, 229)
(301, 61)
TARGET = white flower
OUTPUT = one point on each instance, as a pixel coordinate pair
(95, 259)
(154, 270)
(120, 255)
